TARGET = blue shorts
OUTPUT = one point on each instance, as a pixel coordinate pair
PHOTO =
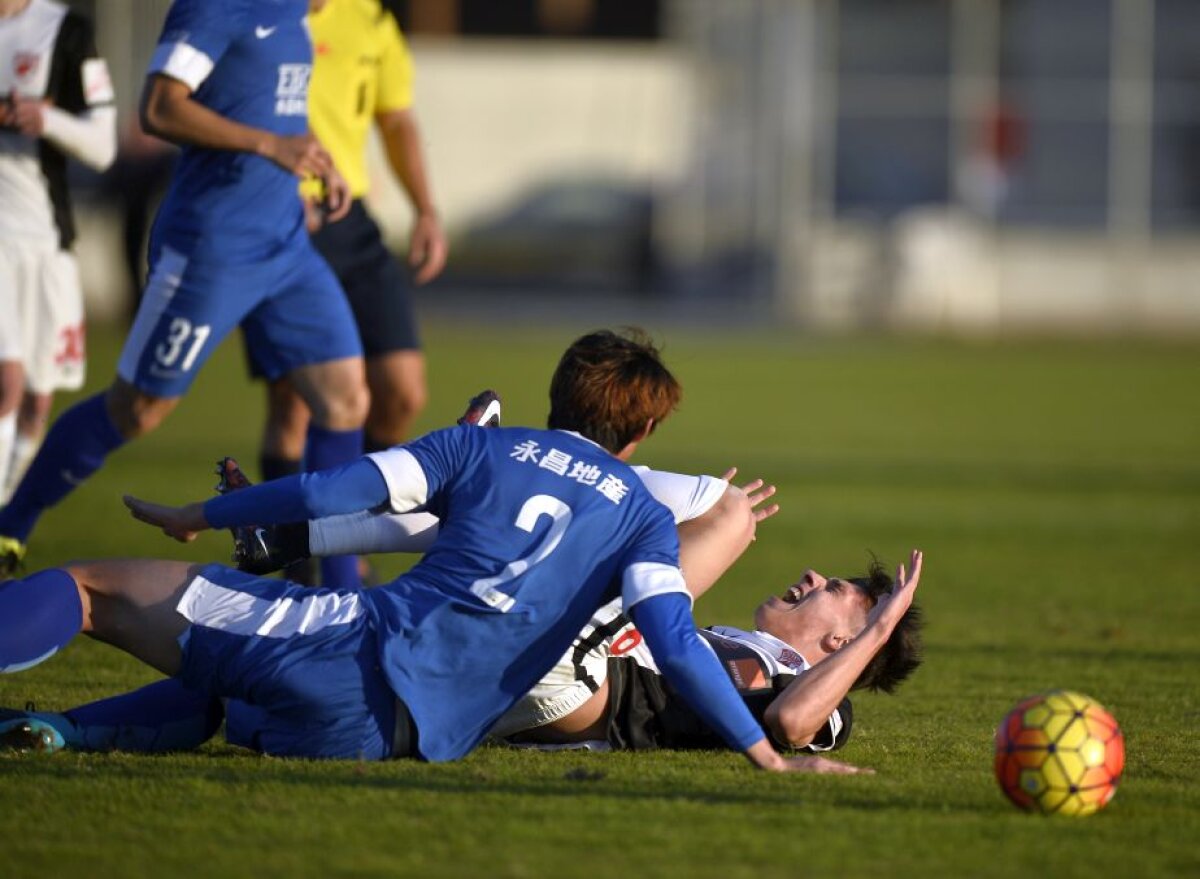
(290, 306)
(300, 666)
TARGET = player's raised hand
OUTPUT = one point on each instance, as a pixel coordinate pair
(427, 250)
(181, 523)
(891, 606)
(756, 492)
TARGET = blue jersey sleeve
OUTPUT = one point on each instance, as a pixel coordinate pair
(194, 37)
(651, 565)
(348, 489)
(691, 667)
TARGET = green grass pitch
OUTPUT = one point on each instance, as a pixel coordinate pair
(1055, 488)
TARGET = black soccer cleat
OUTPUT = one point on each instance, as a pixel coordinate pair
(483, 410)
(256, 549)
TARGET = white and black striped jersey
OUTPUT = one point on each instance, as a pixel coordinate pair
(47, 52)
(644, 712)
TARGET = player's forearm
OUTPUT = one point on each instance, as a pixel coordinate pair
(402, 143)
(804, 707)
(348, 489)
(167, 111)
(89, 137)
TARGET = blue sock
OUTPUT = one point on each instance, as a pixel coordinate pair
(38, 616)
(75, 447)
(163, 716)
(328, 448)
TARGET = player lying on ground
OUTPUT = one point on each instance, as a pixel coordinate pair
(811, 646)
(538, 530)
(606, 691)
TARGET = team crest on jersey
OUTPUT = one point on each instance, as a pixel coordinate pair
(25, 64)
(291, 92)
(792, 660)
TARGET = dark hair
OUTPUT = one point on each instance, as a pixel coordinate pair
(608, 385)
(901, 653)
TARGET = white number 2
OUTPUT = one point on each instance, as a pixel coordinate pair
(181, 329)
(533, 509)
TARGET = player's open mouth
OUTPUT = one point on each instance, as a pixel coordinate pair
(793, 595)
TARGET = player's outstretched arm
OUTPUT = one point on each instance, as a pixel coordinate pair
(168, 111)
(349, 489)
(803, 708)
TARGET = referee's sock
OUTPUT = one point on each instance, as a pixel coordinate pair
(75, 447)
(328, 448)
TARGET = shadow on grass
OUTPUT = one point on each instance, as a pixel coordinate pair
(229, 769)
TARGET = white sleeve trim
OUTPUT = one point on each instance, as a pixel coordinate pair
(835, 726)
(408, 488)
(643, 580)
(182, 62)
(90, 137)
(687, 497)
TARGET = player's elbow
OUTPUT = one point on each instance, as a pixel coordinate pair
(156, 109)
(792, 726)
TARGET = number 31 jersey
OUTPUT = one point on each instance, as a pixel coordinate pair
(539, 529)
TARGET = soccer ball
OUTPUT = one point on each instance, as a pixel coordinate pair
(1059, 753)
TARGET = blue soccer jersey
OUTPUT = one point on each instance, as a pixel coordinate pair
(249, 62)
(539, 528)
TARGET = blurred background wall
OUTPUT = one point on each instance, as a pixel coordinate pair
(963, 166)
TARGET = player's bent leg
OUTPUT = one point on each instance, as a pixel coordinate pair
(398, 395)
(286, 424)
(132, 604)
(335, 392)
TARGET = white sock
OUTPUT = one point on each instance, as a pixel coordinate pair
(372, 532)
(24, 449)
(8, 433)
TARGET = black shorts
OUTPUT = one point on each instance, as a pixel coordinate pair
(376, 285)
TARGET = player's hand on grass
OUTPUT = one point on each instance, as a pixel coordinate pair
(822, 766)
(427, 249)
(764, 756)
(181, 523)
(892, 605)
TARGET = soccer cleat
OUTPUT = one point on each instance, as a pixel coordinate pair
(19, 731)
(12, 552)
(256, 549)
(483, 410)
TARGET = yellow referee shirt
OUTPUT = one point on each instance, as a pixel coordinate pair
(361, 67)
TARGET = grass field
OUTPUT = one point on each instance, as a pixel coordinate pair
(1055, 489)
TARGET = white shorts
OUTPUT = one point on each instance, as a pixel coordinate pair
(41, 305)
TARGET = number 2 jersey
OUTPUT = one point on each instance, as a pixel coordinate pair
(490, 608)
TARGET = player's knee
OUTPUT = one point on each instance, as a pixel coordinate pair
(345, 410)
(735, 512)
